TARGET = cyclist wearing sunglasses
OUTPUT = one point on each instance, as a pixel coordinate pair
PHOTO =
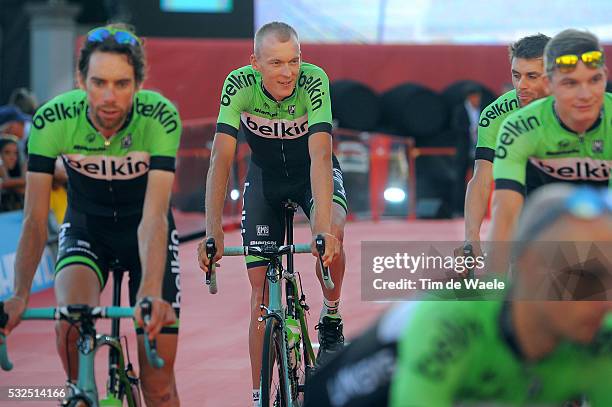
(527, 68)
(283, 106)
(545, 344)
(567, 135)
(118, 143)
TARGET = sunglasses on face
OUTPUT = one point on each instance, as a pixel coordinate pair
(567, 63)
(120, 36)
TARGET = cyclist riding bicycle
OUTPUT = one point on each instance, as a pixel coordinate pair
(546, 343)
(283, 107)
(118, 144)
(527, 68)
(565, 136)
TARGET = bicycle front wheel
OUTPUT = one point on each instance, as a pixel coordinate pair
(274, 370)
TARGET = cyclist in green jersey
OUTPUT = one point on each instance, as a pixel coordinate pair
(566, 135)
(527, 68)
(118, 144)
(283, 107)
(511, 352)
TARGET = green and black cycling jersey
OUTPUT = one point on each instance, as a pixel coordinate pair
(441, 353)
(536, 134)
(277, 131)
(468, 351)
(106, 177)
(491, 119)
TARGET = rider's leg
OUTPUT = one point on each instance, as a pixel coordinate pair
(337, 266)
(257, 277)
(74, 284)
(159, 385)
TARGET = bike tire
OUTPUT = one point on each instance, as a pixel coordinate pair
(273, 368)
(77, 402)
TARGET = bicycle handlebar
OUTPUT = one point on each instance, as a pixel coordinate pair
(264, 251)
(74, 312)
(320, 244)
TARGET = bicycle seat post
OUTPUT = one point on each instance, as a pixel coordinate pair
(113, 356)
(290, 209)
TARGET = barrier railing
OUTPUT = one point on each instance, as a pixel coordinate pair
(371, 162)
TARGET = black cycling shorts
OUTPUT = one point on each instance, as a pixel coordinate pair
(101, 242)
(263, 219)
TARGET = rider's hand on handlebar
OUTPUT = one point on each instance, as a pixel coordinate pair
(162, 314)
(469, 248)
(202, 258)
(332, 248)
(14, 307)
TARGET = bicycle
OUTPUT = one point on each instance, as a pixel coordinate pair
(288, 357)
(122, 383)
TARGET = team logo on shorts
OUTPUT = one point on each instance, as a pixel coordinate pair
(291, 109)
(127, 141)
(263, 230)
(91, 137)
(597, 146)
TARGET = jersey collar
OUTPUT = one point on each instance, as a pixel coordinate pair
(269, 96)
(127, 122)
(507, 330)
(593, 127)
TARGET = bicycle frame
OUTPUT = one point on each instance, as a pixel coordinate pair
(294, 308)
(88, 344)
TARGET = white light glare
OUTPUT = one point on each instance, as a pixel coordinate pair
(234, 194)
(394, 195)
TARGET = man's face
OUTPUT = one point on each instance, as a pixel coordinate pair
(110, 87)
(529, 80)
(9, 155)
(474, 100)
(279, 65)
(579, 95)
(16, 128)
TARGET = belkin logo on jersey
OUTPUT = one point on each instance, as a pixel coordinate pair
(279, 128)
(573, 169)
(57, 112)
(497, 109)
(130, 166)
(313, 87)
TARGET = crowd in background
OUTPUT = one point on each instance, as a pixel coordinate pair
(15, 122)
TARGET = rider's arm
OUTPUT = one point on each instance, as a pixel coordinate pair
(222, 156)
(33, 232)
(153, 228)
(233, 103)
(153, 232)
(479, 187)
(320, 148)
(477, 198)
(44, 146)
(509, 171)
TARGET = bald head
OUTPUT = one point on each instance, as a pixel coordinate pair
(282, 32)
(562, 247)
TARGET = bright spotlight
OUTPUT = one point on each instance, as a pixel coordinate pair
(234, 194)
(394, 195)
